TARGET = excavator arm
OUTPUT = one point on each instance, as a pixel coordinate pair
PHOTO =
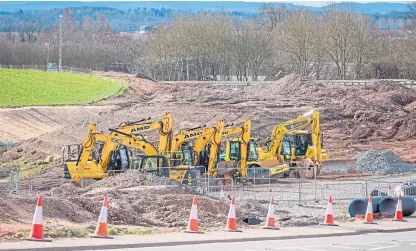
(202, 137)
(138, 127)
(85, 168)
(244, 139)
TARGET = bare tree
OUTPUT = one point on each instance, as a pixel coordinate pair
(29, 30)
(339, 39)
(298, 39)
(272, 14)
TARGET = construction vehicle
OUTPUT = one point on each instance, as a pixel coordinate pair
(137, 128)
(114, 155)
(301, 149)
(110, 149)
(241, 157)
(198, 154)
(87, 167)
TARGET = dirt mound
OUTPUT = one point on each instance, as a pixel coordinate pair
(135, 199)
(380, 162)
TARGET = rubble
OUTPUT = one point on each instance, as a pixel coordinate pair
(381, 162)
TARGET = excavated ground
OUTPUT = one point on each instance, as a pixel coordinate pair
(353, 120)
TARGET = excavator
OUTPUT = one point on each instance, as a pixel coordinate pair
(111, 150)
(197, 154)
(86, 166)
(152, 161)
(301, 149)
(241, 157)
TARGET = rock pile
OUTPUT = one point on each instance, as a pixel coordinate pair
(381, 162)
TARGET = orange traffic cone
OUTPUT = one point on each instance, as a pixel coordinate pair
(399, 210)
(222, 196)
(231, 225)
(101, 230)
(36, 234)
(389, 192)
(270, 221)
(329, 216)
(193, 218)
(369, 219)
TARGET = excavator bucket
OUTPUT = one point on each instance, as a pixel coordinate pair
(338, 166)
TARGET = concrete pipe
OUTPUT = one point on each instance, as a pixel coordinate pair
(359, 206)
(388, 205)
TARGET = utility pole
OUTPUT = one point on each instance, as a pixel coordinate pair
(60, 43)
(48, 45)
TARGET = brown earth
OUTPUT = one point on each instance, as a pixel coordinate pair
(353, 119)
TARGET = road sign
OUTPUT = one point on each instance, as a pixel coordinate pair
(51, 66)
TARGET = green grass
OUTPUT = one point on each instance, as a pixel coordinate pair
(30, 87)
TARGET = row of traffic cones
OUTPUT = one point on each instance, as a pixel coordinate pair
(369, 218)
(37, 233)
(231, 225)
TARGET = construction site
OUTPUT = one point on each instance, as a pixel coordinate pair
(297, 140)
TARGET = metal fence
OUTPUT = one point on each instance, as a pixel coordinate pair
(291, 190)
(10, 181)
(45, 68)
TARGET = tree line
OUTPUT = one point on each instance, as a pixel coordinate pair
(336, 44)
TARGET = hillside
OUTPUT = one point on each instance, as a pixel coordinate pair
(30, 87)
(129, 16)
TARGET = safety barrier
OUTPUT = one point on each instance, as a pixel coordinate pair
(10, 181)
(259, 186)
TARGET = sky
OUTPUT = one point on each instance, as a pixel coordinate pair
(302, 2)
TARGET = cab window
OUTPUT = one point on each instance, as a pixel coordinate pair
(252, 151)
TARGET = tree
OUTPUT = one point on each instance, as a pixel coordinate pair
(339, 39)
(300, 40)
(29, 30)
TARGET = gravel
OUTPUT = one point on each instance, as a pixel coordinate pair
(381, 162)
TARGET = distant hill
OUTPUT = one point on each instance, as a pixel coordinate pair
(129, 16)
(247, 7)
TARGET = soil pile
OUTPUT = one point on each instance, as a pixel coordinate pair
(380, 162)
(135, 199)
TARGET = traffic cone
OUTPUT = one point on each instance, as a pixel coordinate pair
(222, 196)
(101, 230)
(329, 216)
(389, 192)
(231, 225)
(398, 216)
(369, 219)
(193, 218)
(270, 221)
(36, 234)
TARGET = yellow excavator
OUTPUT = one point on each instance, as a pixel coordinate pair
(86, 166)
(241, 157)
(301, 149)
(201, 136)
(111, 150)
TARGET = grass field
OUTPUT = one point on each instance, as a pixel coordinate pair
(30, 87)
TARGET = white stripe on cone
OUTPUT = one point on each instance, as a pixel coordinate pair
(399, 206)
(270, 213)
(231, 213)
(194, 212)
(103, 215)
(38, 215)
(369, 208)
(329, 209)
(222, 196)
